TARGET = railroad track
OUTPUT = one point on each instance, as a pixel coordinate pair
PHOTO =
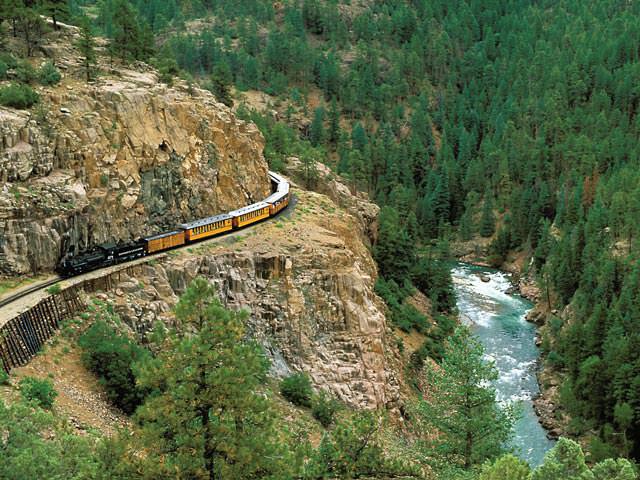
(40, 286)
(27, 291)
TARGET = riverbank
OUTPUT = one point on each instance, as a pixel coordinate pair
(546, 403)
(496, 314)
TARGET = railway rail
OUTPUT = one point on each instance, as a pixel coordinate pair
(30, 316)
(27, 291)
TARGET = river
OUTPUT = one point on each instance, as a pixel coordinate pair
(498, 319)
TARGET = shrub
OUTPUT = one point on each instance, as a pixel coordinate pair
(25, 73)
(18, 96)
(40, 391)
(111, 356)
(4, 376)
(8, 59)
(3, 70)
(297, 389)
(48, 74)
(54, 289)
(324, 409)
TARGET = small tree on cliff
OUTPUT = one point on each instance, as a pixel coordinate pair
(208, 419)
(461, 406)
(86, 44)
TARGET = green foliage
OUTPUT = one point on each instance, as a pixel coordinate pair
(462, 406)
(36, 445)
(220, 84)
(18, 96)
(201, 421)
(40, 391)
(565, 461)
(4, 376)
(297, 389)
(353, 449)
(86, 44)
(403, 314)
(54, 289)
(111, 356)
(488, 220)
(25, 72)
(507, 467)
(324, 408)
(48, 74)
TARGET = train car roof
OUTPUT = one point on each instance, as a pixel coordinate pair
(278, 178)
(205, 221)
(162, 235)
(250, 208)
(274, 197)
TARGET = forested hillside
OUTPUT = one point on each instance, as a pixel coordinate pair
(453, 114)
(512, 120)
(450, 114)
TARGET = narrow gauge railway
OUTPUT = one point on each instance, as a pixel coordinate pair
(110, 254)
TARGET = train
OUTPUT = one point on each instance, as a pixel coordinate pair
(109, 254)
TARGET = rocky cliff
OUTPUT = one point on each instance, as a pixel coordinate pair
(306, 280)
(127, 155)
(119, 158)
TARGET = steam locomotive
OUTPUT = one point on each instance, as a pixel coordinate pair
(110, 253)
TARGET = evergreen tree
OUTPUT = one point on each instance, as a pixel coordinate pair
(487, 220)
(462, 407)
(221, 79)
(203, 422)
(86, 45)
(316, 129)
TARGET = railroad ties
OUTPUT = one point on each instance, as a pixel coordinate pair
(22, 337)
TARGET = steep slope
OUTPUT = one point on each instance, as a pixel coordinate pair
(115, 159)
(307, 282)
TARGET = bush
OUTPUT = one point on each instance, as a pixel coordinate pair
(18, 96)
(297, 389)
(3, 70)
(324, 409)
(4, 376)
(111, 356)
(40, 391)
(48, 74)
(8, 59)
(25, 73)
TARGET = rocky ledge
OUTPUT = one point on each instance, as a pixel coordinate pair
(121, 157)
(307, 282)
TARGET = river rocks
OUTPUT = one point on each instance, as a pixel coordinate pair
(485, 278)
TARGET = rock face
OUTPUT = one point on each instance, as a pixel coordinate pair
(115, 160)
(308, 284)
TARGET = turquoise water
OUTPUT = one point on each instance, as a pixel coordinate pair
(498, 319)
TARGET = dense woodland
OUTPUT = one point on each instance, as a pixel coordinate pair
(513, 120)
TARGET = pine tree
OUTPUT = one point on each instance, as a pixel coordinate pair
(461, 406)
(203, 422)
(316, 129)
(488, 220)
(86, 45)
(221, 80)
(334, 122)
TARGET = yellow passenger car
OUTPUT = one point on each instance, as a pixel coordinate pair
(251, 214)
(207, 227)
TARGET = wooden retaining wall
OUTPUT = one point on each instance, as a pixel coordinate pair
(22, 337)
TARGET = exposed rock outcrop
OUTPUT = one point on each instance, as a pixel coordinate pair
(116, 159)
(308, 284)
